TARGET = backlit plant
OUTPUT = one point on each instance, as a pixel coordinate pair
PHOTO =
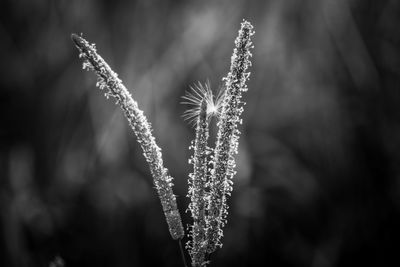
(210, 183)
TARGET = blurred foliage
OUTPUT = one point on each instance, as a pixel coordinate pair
(318, 180)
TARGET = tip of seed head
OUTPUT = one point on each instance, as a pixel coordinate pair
(246, 25)
(74, 37)
(77, 39)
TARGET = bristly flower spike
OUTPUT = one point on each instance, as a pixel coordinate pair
(108, 79)
(228, 136)
(198, 180)
(204, 107)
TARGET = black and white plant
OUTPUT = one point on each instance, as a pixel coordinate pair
(211, 182)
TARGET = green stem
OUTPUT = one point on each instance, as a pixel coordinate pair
(182, 253)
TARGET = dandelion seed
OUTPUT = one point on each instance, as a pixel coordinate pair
(195, 96)
(108, 80)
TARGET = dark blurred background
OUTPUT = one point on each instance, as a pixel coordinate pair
(318, 180)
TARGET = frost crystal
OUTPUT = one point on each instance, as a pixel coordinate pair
(227, 137)
(108, 80)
